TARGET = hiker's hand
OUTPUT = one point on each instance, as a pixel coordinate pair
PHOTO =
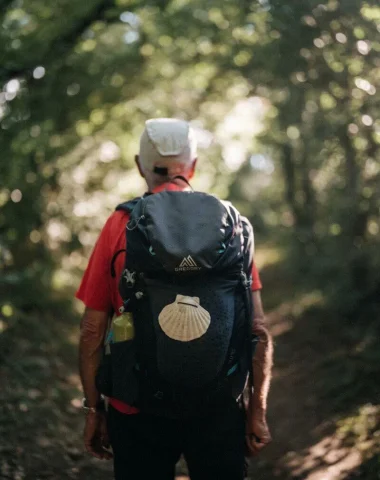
(96, 436)
(257, 432)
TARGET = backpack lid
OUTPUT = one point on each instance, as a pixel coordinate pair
(185, 232)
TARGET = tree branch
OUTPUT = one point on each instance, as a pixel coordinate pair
(60, 45)
(5, 4)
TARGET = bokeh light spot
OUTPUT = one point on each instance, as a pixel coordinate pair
(16, 196)
(7, 310)
(293, 132)
(39, 72)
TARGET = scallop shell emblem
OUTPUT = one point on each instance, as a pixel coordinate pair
(185, 319)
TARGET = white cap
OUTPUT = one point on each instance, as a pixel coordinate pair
(169, 143)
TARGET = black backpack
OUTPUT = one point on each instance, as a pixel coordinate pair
(187, 281)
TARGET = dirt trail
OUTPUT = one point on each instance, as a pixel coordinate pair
(304, 413)
(41, 420)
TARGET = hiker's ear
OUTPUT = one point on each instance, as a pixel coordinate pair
(192, 169)
(137, 158)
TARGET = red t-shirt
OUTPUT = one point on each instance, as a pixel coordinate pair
(99, 290)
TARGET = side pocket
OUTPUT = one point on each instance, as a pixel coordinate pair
(103, 379)
(117, 376)
(124, 375)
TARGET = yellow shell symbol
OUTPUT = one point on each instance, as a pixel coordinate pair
(185, 319)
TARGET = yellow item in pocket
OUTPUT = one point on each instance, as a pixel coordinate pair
(123, 328)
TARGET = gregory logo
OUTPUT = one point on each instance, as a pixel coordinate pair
(187, 264)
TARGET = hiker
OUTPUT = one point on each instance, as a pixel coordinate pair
(179, 264)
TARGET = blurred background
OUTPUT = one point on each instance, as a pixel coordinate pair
(284, 97)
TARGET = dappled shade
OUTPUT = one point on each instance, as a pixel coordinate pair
(284, 99)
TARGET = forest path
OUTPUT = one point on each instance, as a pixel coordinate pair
(41, 420)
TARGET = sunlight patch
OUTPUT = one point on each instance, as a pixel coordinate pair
(356, 439)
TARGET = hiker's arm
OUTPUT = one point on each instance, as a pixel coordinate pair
(92, 331)
(258, 434)
(263, 358)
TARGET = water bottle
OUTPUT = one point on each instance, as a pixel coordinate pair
(123, 328)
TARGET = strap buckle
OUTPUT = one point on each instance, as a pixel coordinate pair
(245, 280)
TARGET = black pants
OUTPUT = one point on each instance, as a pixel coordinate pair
(147, 447)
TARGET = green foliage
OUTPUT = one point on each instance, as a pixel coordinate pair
(78, 81)
(290, 90)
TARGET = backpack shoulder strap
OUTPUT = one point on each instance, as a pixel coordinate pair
(129, 205)
(125, 207)
(249, 245)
